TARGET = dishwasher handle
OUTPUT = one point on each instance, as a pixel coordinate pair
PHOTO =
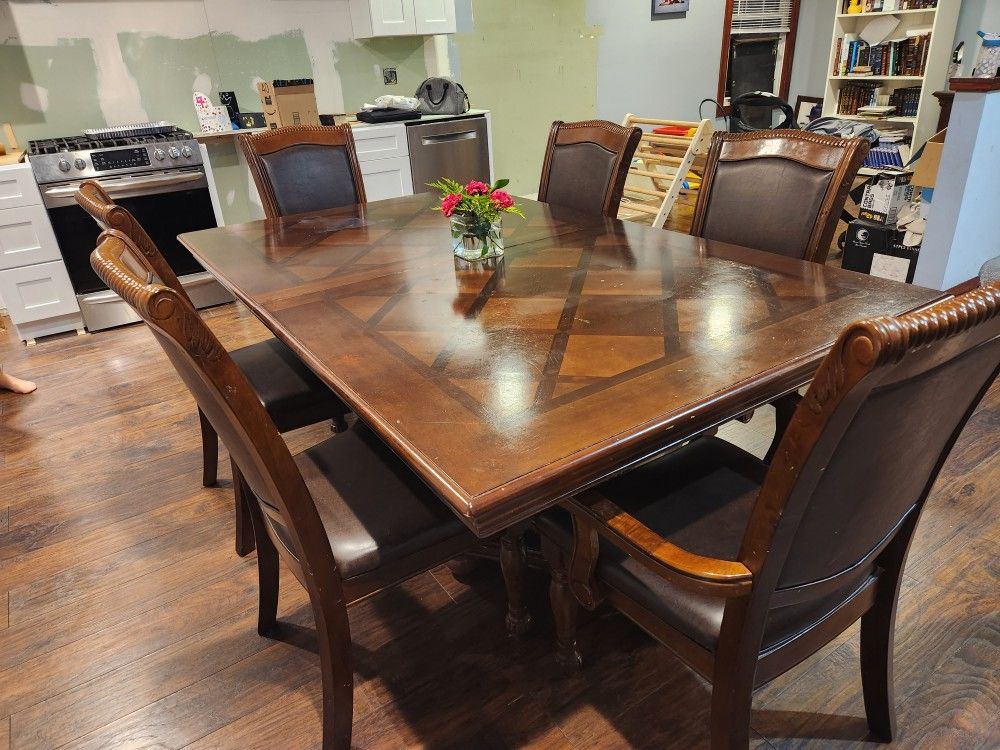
(465, 135)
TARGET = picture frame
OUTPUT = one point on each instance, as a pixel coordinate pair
(803, 106)
(660, 9)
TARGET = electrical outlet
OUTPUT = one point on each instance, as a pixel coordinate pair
(389, 76)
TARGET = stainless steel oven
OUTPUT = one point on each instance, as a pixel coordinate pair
(162, 183)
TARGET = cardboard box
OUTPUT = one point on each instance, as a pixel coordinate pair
(285, 104)
(879, 250)
(925, 174)
(884, 196)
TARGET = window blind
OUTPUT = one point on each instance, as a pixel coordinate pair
(761, 16)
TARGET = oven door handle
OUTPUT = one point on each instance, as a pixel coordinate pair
(128, 186)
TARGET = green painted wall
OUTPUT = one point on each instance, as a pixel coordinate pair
(530, 63)
(360, 66)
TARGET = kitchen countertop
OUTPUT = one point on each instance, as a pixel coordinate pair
(212, 138)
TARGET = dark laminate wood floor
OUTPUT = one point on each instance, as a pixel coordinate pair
(127, 620)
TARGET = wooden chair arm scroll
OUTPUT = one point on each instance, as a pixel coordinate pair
(708, 575)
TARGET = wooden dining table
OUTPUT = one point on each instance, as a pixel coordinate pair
(509, 384)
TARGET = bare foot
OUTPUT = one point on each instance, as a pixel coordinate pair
(10, 383)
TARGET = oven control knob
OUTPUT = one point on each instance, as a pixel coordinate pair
(186, 152)
(173, 153)
(80, 164)
(64, 165)
(159, 155)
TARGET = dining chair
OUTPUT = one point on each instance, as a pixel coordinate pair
(288, 390)
(777, 190)
(586, 164)
(302, 168)
(346, 516)
(744, 568)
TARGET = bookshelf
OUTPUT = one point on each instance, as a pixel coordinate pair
(921, 115)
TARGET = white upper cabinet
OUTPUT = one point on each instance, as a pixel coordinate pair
(372, 18)
(434, 16)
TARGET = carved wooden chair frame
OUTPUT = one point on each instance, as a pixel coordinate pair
(861, 358)
(257, 144)
(616, 138)
(842, 157)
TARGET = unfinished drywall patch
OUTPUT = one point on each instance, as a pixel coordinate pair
(530, 63)
(242, 62)
(165, 70)
(43, 85)
(359, 64)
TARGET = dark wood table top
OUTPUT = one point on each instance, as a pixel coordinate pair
(591, 345)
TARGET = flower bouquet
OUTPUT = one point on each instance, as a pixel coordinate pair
(476, 212)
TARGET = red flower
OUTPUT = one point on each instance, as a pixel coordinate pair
(477, 188)
(449, 203)
(501, 199)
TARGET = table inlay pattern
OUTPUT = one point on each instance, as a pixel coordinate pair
(508, 383)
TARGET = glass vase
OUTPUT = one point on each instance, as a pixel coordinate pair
(474, 238)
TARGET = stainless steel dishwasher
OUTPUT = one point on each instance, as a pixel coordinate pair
(448, 148)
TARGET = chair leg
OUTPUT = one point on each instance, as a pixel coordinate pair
(245, 535)
(732, 701)
(878, 626)
(209, 452)
(334, 636)
(514, 566)
(565, 608)
(267, 568)
(784, 408)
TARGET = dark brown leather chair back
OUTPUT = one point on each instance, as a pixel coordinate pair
(867, 442)
(93, 199)
(304, 168)
(227, 399)
(586, 164)
(777, 190)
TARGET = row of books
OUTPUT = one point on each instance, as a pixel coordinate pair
(894, 57)
(906, 100)
(885, 6)
(884, 155)
(852, 96)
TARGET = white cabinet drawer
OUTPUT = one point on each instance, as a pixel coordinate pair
(380, 142)
(17, 187)
(387, 178)
(26, 237)
(37, 292)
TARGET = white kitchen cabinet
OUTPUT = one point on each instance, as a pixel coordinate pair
(38, 292)
(26, 237)
(34, 285)
(373, 18)
(387, 178)
(434, 16)
(382, 142)
(17, 187)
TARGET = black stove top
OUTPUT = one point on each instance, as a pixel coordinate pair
(86, 143)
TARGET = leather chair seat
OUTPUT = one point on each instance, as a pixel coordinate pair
(376, 511)
(292, 395)
(700, 498)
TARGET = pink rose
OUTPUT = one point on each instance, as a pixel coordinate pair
(449, 203)
(477, 188)
(501, 199)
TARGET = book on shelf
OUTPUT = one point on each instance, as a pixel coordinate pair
(888, 6)
(903, 56)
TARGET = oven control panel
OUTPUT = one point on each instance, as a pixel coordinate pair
(122, 158)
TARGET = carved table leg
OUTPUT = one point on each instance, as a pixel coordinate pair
(565, 608)
(784, 408)
(514, 566)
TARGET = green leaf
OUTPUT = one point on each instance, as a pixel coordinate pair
(500, 184)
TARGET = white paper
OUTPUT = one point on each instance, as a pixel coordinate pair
(889, 267)
(878, 29)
